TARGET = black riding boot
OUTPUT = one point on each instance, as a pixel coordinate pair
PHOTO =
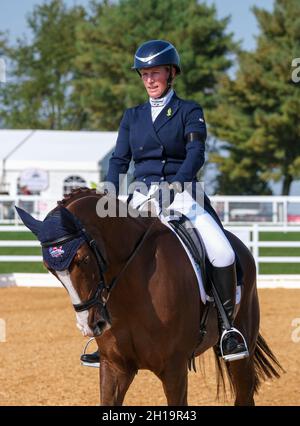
(90, 360)
(232, 343)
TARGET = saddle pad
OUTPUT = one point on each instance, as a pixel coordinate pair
(204, 297)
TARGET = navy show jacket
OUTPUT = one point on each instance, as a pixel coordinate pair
(160, 150)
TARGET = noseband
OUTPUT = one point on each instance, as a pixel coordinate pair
(99, 298)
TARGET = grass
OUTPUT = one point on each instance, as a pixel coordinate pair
(279, 268)
(21, 251)
(10, 267)
(30, 267)
(264, 268)
(17, 236)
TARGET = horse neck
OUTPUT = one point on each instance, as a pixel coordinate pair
(120, 236)
(116, 236)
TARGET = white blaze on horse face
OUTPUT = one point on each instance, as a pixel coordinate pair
(82, 317)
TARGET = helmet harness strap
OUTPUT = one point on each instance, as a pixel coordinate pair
(169, 82)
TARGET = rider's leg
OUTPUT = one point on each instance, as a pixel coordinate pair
(222, 258)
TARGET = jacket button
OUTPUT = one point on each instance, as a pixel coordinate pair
(162, 178)
(141, 148)
(163, 161)
(144, 180)
(161, 147)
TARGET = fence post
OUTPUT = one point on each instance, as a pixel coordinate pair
(226, 211)
(274, 211)
(255, 248)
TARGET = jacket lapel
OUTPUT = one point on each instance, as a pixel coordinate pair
(167, 113)
(145, 121)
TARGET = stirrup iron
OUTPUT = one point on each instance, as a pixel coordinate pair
(88, 364)
(237, 356)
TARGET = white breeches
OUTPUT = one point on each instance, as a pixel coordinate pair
(218, 248)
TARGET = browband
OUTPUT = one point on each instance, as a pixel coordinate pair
(65, 239)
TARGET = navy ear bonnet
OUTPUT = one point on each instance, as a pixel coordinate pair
(58, 224)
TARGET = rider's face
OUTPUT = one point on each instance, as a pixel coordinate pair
(155, 80)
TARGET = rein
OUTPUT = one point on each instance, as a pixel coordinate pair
(129, 260)
(98, 298)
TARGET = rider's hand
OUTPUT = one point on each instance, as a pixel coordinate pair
(165, 194)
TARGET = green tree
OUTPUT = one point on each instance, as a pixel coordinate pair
(40, 92)
(107, 42)
(258, 110)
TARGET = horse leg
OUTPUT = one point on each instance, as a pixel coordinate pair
(174, 380)
(114, 383)
(243, 377)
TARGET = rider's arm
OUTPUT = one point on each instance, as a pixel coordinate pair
(195, 136)
(120, 159)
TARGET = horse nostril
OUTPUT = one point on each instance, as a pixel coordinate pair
(99, 327)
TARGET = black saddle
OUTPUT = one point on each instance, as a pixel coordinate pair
(193, 241)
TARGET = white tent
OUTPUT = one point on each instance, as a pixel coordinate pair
(64, 155)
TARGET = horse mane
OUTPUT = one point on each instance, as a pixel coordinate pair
(82, 192)
(77, 193)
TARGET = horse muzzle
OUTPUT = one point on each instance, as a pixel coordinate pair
(99, 327)
(99, 320)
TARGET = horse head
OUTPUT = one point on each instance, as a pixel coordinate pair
(71, 255)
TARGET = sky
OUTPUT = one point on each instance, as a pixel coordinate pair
(243, 24)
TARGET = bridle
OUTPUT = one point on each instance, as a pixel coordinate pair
(103, 290)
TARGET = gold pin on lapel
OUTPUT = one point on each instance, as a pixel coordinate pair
(169, 112)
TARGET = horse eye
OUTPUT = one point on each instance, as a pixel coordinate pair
(80, 260)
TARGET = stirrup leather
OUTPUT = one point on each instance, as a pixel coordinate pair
(89, 364)
(237, 356)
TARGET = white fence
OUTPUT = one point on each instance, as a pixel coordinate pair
(233, 210)
(271, 210)
(248, 234)
(33, 204)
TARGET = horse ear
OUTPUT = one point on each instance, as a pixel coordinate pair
(70, 220)
(33, 224)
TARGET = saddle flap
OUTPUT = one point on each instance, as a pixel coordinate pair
(192, 240)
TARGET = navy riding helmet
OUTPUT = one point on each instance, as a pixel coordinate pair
(154, 53)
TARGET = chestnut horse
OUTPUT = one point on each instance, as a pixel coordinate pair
(146, 312)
